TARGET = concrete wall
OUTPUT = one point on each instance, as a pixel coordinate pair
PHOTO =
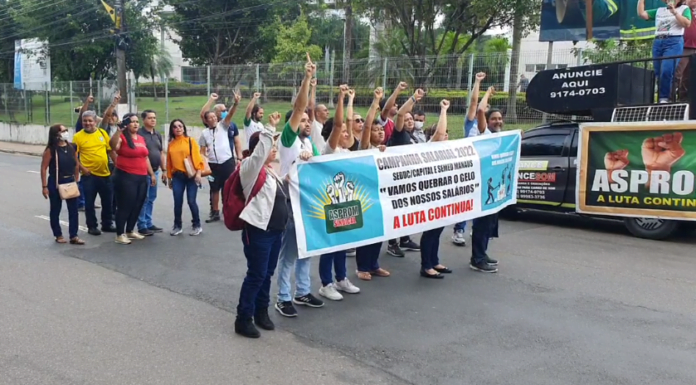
(23, 133)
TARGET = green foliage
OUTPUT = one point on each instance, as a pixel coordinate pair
(223, 32)
(293, 42)
(615, 50)
(8, 28)
(78, 34)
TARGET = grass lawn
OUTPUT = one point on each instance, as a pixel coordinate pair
(186, 108)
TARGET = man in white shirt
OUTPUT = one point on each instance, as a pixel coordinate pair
(318, 114)
(215, 147)
(253, 117)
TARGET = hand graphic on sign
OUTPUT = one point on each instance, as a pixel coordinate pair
(660, 153)
(617, 160)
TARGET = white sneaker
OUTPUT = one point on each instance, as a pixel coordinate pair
(123, 239)
(196, 231)
(459, 238)
(347, 287)
(135, 235)
(329, 291)
(350, 253)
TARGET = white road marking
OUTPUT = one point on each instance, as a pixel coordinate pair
(64, 223)
(33, 172)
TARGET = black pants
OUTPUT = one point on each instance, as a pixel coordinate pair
(131, 191)
(483, 230)
(93, 186)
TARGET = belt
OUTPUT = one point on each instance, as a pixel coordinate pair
(667, 36)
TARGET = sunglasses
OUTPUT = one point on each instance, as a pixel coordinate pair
(359, 120)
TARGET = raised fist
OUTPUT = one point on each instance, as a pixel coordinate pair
(480, 76)
(351, 93)
(313, 82)
(379, 93)
(237, 97)
(257, 95)
(617, 160)
(444, 104)
(214, 96)
(403, 86)
(274, 118)
(418, 95)
(344, 89)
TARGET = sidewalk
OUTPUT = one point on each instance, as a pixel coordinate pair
(21, 148)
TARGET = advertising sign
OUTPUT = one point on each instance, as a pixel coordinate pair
(637, 170)
(32, 70)
(565, 20)
(347, 200)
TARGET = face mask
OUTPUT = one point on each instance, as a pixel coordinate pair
(418, 125)
(64, 136)
(223, 115)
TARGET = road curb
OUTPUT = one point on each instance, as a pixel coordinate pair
(19, 152)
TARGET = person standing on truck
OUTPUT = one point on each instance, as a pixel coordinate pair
(670, 21)
(681, 78)
(486, 227)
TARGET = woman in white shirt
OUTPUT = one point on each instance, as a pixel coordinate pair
(338, 141)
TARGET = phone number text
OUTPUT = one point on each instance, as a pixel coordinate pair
(582, 92)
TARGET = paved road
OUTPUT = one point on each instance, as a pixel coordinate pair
(579, 303)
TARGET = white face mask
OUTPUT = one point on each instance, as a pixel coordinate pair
(64, 136)
(418, 125)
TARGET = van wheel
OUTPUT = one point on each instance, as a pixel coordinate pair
(651, 228)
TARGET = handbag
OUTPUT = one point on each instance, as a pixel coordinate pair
(188, 162)
(66, 190)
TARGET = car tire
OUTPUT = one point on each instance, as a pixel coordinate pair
(650, 228)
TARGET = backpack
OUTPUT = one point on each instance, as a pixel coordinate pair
(233, 202)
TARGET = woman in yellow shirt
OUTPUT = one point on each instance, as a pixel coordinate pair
(181, 150)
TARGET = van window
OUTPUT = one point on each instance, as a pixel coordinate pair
(545, 145)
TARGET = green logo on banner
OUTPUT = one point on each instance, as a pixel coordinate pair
(343, 216)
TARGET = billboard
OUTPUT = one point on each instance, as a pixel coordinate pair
(32, 71)
(565, 20)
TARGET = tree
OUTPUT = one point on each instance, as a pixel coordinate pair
(613, 50)
(292, 42)
(526, 17)
(160, 65)
(420, 22)
(78, 32)
(8, 27)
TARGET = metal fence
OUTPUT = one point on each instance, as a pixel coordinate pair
(448, 77)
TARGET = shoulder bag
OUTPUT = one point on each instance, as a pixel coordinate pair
(65, 190)
(188, 164)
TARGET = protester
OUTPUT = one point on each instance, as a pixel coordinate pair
(253, 117)
(486, 227)
(60, 158)
(403, 135)
(215, 146)
(430, 240)
(418, 123)
(670, 21)
(470, 130)
(182, 149)
(367, 257)
(337, 142)
(131, 177)
(319, 115)
(110, 124)
(683, 72)
(94, 150)
(388, 109)
(295, 144)
(155, 148)
(355, 126)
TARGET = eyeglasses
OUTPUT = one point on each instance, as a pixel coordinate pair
(359, 120)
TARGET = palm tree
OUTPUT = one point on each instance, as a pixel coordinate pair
(161, 65)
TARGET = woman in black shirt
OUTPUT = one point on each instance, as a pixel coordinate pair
(60, 159)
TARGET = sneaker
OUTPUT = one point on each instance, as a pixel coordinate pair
(262, 320)
(108, 229)
(97, 206)
(491, 262)
(409, 246)
(155, 229)
(197, 230)
(308, 300)
(395, 250)
(483, 268)
(135, 235)
(214, 217)
(146, 232)
(350, 253)
(329, 291)
(347, 287)
(246, 328)
(94, 231)
(459, 238)
(123, 240)
(176, 230)
(286, 309)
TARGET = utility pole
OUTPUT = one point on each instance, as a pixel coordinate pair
(121, 45)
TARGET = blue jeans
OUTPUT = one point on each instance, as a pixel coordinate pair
(181, 183)
(461, 226)
(289, 260)
(484, 229)
(338, 261)
(145, 217)
(102, 186)
(367, 257)
(430, 248)
(664, 69)
(57, 205)
(81, 198)
(261, 250)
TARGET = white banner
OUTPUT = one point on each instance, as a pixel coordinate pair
(353, 199)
